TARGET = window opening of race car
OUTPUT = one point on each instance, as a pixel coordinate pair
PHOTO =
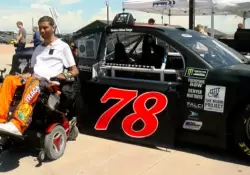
(214, 52)
(139, 55)
(88, 46)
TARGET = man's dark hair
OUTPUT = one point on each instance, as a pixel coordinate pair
(19, 23)
(47, 19)
(151, 20)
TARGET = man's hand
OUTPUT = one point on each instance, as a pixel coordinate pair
(61, 76)
(25, 76)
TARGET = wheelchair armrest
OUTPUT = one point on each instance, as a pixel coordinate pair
(68, 80)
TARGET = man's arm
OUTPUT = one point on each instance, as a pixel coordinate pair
(19, 36)
(69, 62)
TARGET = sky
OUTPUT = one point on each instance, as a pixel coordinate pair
(74, 14)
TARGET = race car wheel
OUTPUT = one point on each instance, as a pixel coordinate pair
(55, 143)
(241, 132)
(73, 133)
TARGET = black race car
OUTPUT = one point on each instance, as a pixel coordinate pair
(161, 85)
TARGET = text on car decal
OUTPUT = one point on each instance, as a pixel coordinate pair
(140, 111)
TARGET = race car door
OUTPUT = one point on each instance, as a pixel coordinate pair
(135, 102)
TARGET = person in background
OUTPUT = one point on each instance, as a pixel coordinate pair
(36, 37)
(200, 28)
(21, 37)
(151, 21)
(240, 26)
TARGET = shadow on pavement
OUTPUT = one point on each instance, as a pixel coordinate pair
(228, 155)
(9, 159)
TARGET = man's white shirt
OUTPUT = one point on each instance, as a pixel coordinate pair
(49, 61)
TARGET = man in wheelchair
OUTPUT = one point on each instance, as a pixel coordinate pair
(48, 60)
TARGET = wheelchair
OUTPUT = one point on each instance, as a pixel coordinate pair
(52, 125)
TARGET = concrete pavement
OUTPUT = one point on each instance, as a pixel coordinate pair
(96, 156)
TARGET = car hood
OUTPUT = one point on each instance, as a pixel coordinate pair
(239, 73)
(238, 68)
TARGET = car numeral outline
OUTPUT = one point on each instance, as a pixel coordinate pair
(140, 111)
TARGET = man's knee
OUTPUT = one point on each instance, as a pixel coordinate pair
(9, 78)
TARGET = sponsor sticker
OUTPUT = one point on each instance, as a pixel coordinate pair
(84, 68)
(193, 115)
(24, 111)
(32, 93)
(214, 98)
(194, 105)
(195, 94)
(196, 73)
(122, 30)
(192, 125)
(186, 35)
(196, 83)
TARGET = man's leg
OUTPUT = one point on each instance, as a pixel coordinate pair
(22, 115)
(7, 91)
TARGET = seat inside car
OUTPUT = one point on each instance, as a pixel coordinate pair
(151, 58)
(146, 56)
(121, 56)
(159, 54)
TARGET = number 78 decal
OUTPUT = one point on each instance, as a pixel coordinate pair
(140, 111)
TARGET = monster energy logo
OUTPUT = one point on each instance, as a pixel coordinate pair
(190, 72)
(196, 73)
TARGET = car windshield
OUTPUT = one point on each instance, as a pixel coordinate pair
(214, 52)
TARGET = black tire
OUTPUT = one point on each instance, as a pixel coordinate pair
(73, 133)
(241, 133)
(51, 150)
(41, 156)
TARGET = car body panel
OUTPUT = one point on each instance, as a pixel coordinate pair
(214, 129)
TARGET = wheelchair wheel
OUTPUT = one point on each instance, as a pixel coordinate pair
(73, 133)
(55, 143)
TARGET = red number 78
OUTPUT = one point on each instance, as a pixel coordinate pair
(140, 111)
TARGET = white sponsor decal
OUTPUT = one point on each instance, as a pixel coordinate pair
(84, 68)
(35, 90)
(186, 35)
(23, 64)
(194, 105)
(214, 98)
(192, 125)
(195, 93)
(121, 30)
(196, 83)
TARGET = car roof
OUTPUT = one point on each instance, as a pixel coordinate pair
(168, 29)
